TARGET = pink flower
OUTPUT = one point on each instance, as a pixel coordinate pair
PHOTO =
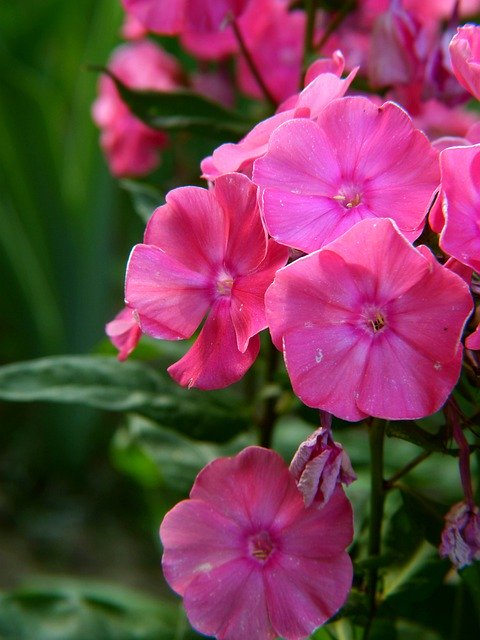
(274, 38)
(124, 332)
(357, 161)
(202, 24)
(320, 465)
(320, 91)
(473, 340)
(247, 556)
(461, 535)
(205, 252)
(460, 197)
(465, 55)
(370, 325)
(131, 147)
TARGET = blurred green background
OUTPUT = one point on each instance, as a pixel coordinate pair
(65, 232)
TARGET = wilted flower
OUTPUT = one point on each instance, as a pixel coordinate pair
(461, 535)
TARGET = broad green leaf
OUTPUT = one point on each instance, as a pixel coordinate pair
(181, 110)
(105, 383)
(74, 610)
(145, 197)
(143, 446)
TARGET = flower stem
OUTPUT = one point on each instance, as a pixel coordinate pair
(376, 433)
(308, 44)
(251, 64)
(390, 483)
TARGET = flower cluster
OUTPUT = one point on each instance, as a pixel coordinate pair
(345, 223)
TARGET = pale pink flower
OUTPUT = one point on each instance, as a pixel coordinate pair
(370, 325)
(465, 55)
(202, 24)
(205, 253)
(274, 38)
(460, 198)
(356, 161)
(461, 535)
(131, 147)
(323, 87)
(320, 465)
(124, 332)
(249, 559)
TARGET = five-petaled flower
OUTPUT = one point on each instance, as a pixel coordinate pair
(250, 560)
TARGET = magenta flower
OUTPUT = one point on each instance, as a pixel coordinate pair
(247, 556)
(370, 325)
(461, 535)
(205, 252)
(357, 161)
(132, 148)
(460, 238)
(124, 332)
(324, 86)
(465, 55)
(320, 465)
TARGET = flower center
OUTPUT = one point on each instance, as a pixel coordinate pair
(224, 283)
(260, 546)
(349, 197)
(374, 320)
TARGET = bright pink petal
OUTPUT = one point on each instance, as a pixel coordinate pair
(401, 384)
(303, 593)
(191, 228)
(170, 299)
(214, 361)
(473, 340)
(237, 488)
(321, 532)
(124, 332)
(248, 295)
(159, 16)
(465, 56)
(230, 603)
(197, 538)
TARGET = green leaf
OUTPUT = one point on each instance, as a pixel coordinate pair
(145, 197)
(471, 577)
(181, 110)
(411, 432)
(73, 610)
(143, 446)
(105, 383)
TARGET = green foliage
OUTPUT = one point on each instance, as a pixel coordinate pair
(69, 610)
(182, 110)
(105, 383)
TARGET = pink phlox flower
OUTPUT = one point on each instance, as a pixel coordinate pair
(274, 38)
(465, 56)
(131, 147)
(124, 332)
(206, 253)
(201, 24)
(473, 340)
(132, 28)
(370, 325)
(437, 119)
(249, 559)
(309, 103)
(320, 465)
(460, 198)
(461, 535)
(356, 161)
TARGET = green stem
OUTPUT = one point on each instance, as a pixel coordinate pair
(376, 433)
(308, 43)
(390, 483)
(268, 417)
(334, 24)
(251, 64)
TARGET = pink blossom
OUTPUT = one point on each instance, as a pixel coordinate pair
(131, 147)
(124, 332)
(202, 24)
(322, 89)
(249, 559)
(274, 38)
(460, 197)
(461, 535)
(370, 325)
(357, 161)
(473, 340)
(465, 55)
(205, 253)
(320, 465)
